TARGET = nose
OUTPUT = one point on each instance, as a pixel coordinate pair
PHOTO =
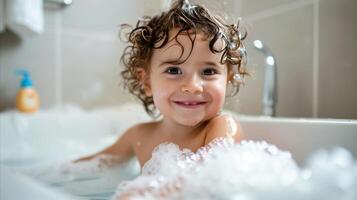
(192, 84)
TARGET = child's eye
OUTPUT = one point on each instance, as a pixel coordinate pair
(173, 70)
(209, 72)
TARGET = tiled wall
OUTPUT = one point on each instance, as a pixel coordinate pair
(76, 60)
(337, 94)
(314, 43)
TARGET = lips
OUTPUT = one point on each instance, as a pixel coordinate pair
(190, 104)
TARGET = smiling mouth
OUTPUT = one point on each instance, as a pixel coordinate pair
(190, 104)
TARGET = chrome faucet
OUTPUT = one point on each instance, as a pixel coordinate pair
(270, 96)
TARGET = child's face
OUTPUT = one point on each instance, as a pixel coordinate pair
(191, 92)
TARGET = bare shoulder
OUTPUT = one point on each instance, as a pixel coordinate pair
(125, 143)
(140, 130)
(223, 126)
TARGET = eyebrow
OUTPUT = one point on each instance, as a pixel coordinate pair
(166, 62)
(210, 63)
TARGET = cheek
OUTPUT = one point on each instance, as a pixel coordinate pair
(218, 92)
(160, 93)
(159, 97)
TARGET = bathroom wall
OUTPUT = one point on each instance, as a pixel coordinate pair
(76, 59)
(314, 43)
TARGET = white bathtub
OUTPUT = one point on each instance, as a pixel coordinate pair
(69, 133)
(302, 136)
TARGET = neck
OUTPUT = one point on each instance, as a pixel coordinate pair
(172, 128)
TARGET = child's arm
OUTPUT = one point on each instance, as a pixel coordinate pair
(223, 126)
(120, 151)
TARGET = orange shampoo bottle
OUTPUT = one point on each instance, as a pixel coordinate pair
(27, 99)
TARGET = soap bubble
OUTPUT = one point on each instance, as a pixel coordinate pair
(249, 170)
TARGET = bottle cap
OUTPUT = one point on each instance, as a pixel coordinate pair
(26, 79)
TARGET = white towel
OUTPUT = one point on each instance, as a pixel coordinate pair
(2, 15)
(24, 17)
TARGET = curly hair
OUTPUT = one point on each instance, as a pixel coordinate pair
(153, 33)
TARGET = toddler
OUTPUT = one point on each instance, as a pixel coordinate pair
(181, 64)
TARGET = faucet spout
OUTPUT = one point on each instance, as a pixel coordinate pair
(270, 97)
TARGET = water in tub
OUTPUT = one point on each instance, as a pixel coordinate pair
(222, 170)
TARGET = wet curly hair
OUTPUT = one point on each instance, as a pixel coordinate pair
(153, 33)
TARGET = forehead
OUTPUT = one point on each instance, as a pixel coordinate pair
(180, 47)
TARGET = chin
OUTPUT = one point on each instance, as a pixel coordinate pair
(190, 123)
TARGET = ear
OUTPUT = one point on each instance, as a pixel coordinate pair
(144, 77)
